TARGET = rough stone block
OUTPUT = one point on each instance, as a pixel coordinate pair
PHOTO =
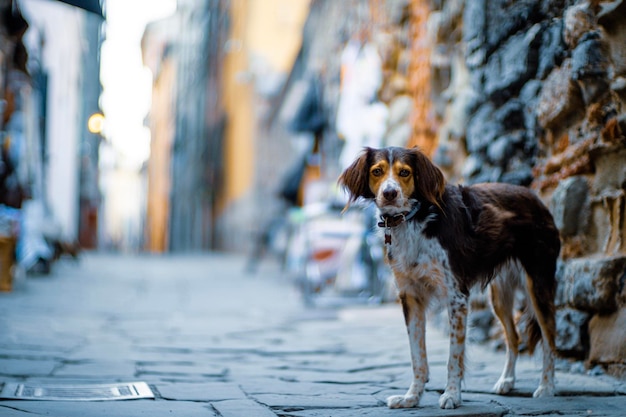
(520, 174)
(482, 129)
(500, 150)
(472, 166)
(530, 92)
(476, 81)
(529, 95)
(578, 20)
(479, 325)
(600, 227)
(399, 135)
(488, 173)
(511, 115)
(560, 98)
(512, 65)
(559, 300)
(590, 57)
(570, 206)
(571, 332)
(474, 29)
(396, 11)
(591, 284)
(610, 170)
(611, 18)
(608, 338)
(590, 67)
(552, 48)
(399, 110)
(505, 18)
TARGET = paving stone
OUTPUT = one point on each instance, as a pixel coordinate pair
(259, 385)
(563, 406)
(200, 392)
(314, 400)
(100, 369)
(26, 367)
(9, 412)
(239, 408)
(331, 377)
(148, 408)
(568, 384)
(182, 368)
(37, 339)
(95, 350)
(35, 351)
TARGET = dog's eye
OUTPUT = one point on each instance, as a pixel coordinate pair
(404, 173)
(377, 172)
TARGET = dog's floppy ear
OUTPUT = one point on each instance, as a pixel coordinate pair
(429, 180)
(355, 179)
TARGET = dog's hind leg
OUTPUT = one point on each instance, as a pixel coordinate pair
(502, 294)
(538, 254)
(415, 319)
(541, 291)
(457, 314)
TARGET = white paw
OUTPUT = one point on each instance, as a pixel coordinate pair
(544, 391)
(504, 386)
(403, 401)
(450, 399)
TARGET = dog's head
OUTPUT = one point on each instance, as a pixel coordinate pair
(395, 178)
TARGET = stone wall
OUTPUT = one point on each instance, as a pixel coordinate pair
(533, 94)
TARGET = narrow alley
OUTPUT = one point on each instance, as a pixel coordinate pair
(210, 340)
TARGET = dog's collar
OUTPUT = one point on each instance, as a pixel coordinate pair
(388, 221)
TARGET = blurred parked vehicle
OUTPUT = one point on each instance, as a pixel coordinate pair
(335, 255)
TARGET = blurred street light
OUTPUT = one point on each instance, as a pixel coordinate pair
(95, 124)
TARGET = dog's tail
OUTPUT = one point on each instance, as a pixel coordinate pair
(529, 328)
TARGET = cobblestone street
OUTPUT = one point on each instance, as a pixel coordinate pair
(213, 341)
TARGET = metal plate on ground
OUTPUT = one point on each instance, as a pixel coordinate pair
(76, 392)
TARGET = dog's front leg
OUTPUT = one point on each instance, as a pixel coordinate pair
(415, 319)
(457, 313)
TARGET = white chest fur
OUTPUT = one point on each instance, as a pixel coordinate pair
(419, 263)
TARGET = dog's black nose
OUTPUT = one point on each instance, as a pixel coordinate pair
(390, 194)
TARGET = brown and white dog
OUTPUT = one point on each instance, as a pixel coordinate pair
(442, 239)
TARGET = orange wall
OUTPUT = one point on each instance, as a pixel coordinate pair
(238, 145)
(269, 30)
(162, 128)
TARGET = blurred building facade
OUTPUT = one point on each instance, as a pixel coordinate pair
(185, 52)
(158, 56)
(212, 65)
(50, 80)
(67, 67)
